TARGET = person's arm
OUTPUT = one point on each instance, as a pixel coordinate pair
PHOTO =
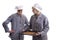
(30, 27)
(5, 23)
(45, 26)
(26, 24)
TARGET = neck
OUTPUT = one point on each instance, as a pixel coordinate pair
(19, 14)
(38, 14)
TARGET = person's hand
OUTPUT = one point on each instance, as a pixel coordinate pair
(30, 29)
(23, 30)
(38, 33)
(11, 31)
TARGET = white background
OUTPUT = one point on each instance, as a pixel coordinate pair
(51, 8)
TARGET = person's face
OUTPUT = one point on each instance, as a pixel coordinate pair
(35, 11)
(19, 12)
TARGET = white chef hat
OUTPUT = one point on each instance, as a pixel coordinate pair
(37, 6)
(19, 7)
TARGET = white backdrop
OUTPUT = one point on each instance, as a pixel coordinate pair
(51, 9)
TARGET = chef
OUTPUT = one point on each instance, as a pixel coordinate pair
(39, 23)
(19, 24)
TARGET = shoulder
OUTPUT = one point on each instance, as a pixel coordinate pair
(24, 16)
(43, 16)
(13, 14)
(32, 16)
